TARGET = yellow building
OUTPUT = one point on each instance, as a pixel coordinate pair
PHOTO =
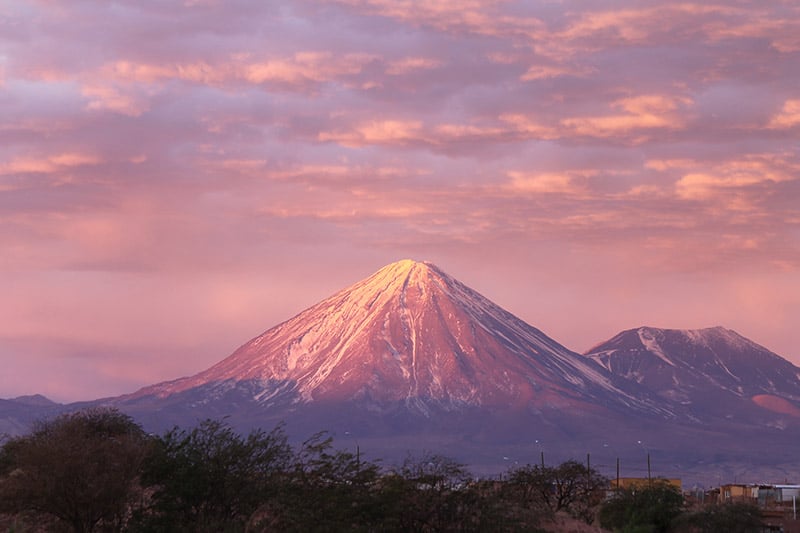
(738, 491)
(643, 482)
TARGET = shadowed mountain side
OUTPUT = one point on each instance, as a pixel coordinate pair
(17, 415)
(383, 421)
(490, 440)
(713, 373)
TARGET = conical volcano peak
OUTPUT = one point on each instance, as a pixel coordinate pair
(410, 282)
(409, 269)
(409, 334)
(407, 265)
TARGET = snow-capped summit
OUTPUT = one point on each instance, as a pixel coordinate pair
(409, 334)
(705, 368)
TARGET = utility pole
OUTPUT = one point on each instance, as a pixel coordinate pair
(649, 479)
(542, 452)
(617, 473)
(588, 482)
(588, 471)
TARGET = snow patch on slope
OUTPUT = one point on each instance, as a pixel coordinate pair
(650, 342)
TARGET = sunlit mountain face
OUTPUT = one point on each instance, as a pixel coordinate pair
(410, 335)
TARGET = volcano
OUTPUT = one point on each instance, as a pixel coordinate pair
(410, 335)
(409, 358)
(713, 372)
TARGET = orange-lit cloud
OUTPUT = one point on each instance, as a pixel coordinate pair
(298, 69)
(376, 132)
(475, 16)
(314, 66)
(543, 72)
(48, 164)
(640, 113)
(788, 117)
(638, 23)
(109, 97)
(543, 183)
(738, 173)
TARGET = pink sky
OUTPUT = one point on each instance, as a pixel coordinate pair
(177, 177)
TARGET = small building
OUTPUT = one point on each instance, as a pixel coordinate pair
(764, 495)
(789, 493)
(768, 495)
(738, 492)
(643, 482)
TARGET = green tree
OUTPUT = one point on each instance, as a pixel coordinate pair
(211, 478)
(79, 470)
(438, 483)
(570, 487)
(735, 517)
(436, 493)
(649, 509)
(323, 490)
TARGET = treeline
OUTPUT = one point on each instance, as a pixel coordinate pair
(97, 470)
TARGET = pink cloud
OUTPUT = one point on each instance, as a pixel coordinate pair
(740, 173)
(200, 173)
(474, 16)
(788, 117)
(542, 72)
(124, 100)
(410, 64)
(638, 24)
(299, 69)
(376, 132)
(644, 112)
(48, 164)
(780, 28)
(529, 126)
(314, 66)
(544, 183)
(444, 136)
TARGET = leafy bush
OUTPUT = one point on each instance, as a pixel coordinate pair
(650, 509)
(211, 478)
(78, 470)
(735, 517)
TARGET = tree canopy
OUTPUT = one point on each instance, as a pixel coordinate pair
(97, 470)
(79, 469)
(643, 509)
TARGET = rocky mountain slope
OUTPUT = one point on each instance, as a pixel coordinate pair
(712, 372)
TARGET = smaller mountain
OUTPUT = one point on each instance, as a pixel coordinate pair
(37, 400)
(712, 372)
(17, 415)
